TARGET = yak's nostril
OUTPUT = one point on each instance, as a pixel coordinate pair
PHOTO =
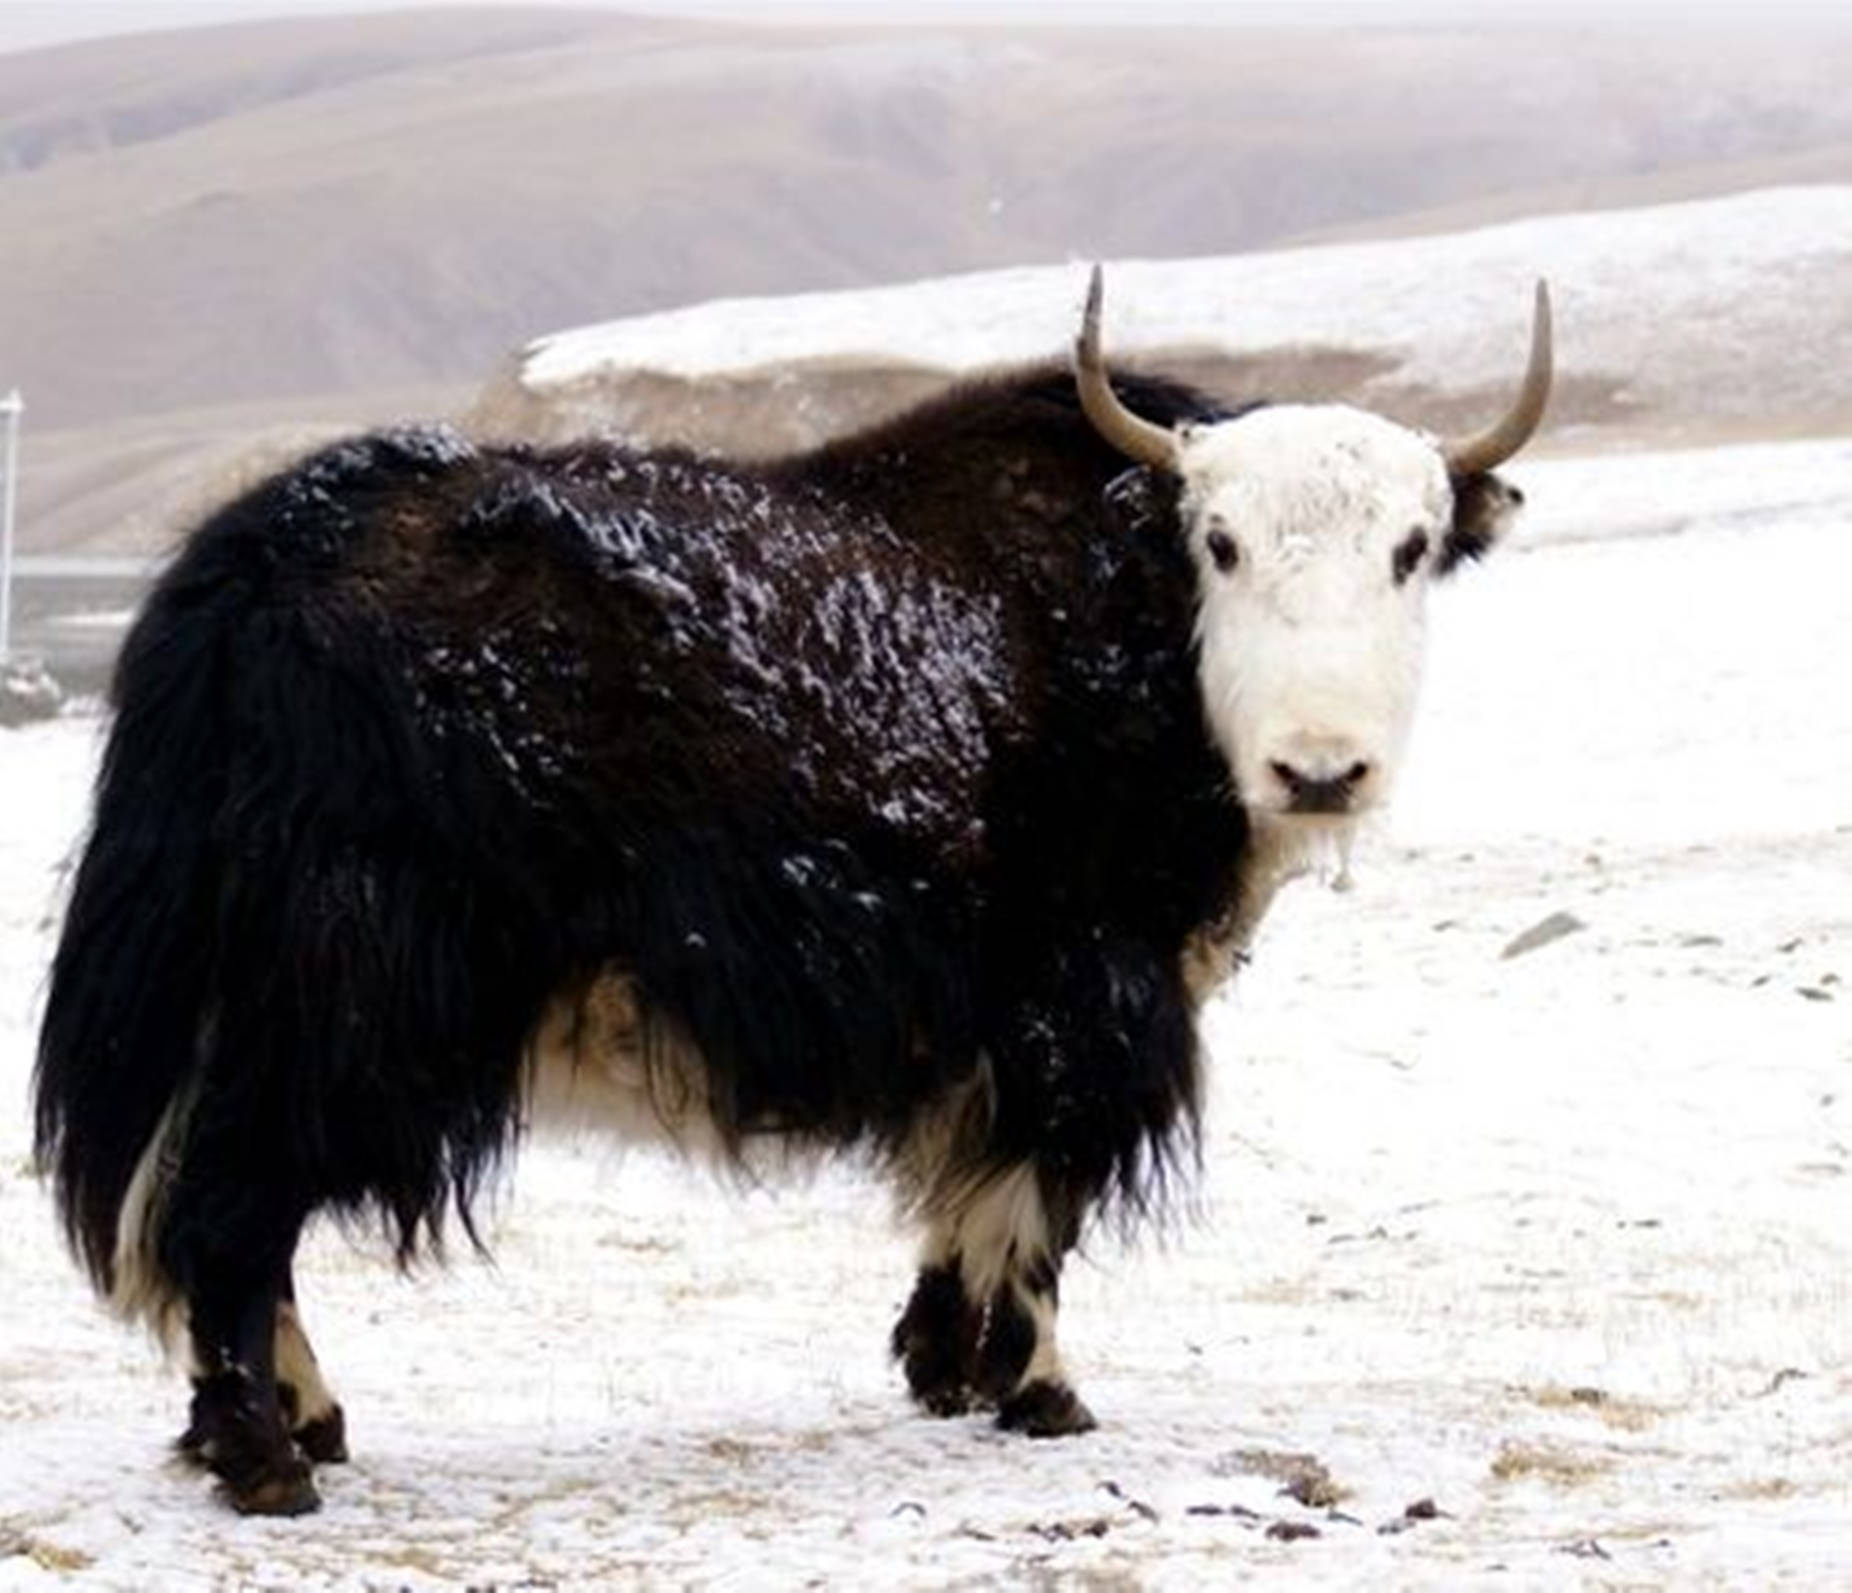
(1287, 775)
(1319, 793)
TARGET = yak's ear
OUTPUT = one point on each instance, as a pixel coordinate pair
(1483, 508)
(1141, 502)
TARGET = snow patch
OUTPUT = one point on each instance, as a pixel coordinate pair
(1557, 1243)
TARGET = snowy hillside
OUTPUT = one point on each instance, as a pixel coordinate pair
(1677, 319)
(1513, 1270)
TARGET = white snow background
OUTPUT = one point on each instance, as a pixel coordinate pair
(1554, 1248)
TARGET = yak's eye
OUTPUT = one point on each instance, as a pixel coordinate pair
(1222, 549)
(1408, 556)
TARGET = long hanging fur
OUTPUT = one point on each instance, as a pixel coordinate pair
(870, 769)
(269, 931)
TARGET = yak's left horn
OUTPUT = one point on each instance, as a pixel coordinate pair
(1471, 456)
(1135, 438)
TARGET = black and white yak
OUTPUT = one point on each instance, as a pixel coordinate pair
(905, 796)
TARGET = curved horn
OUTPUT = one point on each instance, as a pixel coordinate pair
(1471, 456)
(1135, 438)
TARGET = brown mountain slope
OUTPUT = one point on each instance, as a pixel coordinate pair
(241, 232)
(331, 206)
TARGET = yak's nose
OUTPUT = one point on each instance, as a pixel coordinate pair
(1318, 787)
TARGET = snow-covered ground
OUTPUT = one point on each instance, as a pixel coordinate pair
(1510, 1271)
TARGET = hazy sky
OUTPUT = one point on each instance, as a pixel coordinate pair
(27, 23)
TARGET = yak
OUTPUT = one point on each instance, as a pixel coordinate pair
(904, 796)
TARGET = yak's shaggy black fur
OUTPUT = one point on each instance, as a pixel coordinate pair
(870, 768)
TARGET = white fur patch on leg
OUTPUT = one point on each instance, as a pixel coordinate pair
(940, 1245)
(1001, 1230)
(1045, 1360)
(1003, 1241)
(296, 1365)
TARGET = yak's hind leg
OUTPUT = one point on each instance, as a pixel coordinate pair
(311, 1412)
(227, 1243)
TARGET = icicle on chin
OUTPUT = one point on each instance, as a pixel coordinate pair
(1315, 848)
(1334, 868)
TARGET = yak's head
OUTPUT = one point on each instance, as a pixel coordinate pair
(1315, 530)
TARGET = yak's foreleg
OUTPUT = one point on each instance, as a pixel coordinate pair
(1012, 1261)
(936, 1338)
(1089, 1093)
(979, 1330)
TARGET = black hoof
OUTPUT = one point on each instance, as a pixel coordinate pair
(190, 1446)
(936, 1341)
(237, 1431)
(285, 1491)
(953, 1400)
(1045, 1410)
(324, 1440)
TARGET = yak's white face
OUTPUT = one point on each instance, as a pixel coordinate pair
(1315, 531)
